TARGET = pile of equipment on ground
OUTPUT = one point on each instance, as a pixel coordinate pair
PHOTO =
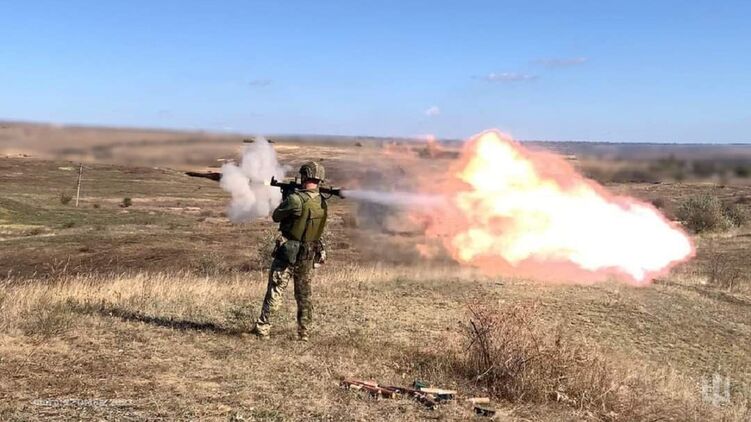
(429, 396)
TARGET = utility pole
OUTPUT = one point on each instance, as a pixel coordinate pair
(78, 185)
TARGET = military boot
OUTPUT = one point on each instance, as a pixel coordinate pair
(259, 333)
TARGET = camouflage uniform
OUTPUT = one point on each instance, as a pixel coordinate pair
(279, 276)
(296, 265)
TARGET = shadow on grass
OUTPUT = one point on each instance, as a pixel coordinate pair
(723, 296)
(108, 310)
(715, 293)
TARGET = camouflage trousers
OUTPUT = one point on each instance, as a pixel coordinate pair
(279, 276)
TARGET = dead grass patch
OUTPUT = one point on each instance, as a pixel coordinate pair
(517, 357)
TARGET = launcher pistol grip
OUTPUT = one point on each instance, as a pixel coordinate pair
(288, 188)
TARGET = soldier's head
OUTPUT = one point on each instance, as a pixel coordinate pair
(312, 173)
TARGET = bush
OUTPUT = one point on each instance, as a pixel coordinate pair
(720, 269)
(211, 264)
(743, 171)
(703, 213)
(126, 202)
(265, 249)
(47, 318)
(659, 203)
(737, 215)
(705, 168)
(631, 175)
(519, 358)
(65, 198)
(349, 221)
(36, 231)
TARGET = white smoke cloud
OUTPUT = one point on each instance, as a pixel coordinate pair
(509, 77)
(561, 62)
(252, 197)
(432, 111)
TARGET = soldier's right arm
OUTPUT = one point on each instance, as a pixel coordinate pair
(292, 206)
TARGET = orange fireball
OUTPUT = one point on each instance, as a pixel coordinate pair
(527, 213)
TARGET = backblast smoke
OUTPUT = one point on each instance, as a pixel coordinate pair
(248, 183)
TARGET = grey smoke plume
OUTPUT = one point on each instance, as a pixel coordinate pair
(252, 197)
(395, 199)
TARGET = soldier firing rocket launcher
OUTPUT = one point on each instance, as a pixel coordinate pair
(290, 187)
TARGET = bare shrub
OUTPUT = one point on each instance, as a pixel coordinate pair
(518, 360)
(737, 214)
(45, 318)
(631, 175)
(211, 264)
(742, 171)
(36, 231)
(65, 198)
(659, 202)
(720, 269)
(517, 357)
(703, 213)
(349, 221)
(265, 249)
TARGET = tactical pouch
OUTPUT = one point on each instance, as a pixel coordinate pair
(288, 251)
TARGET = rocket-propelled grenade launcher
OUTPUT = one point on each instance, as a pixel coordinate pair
(286, 187)
(290, 187)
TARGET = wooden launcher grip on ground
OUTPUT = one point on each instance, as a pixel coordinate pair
(430, 397)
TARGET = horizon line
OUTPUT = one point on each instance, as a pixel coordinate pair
(319, 135)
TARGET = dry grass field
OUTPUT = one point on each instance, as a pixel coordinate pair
(140, 312)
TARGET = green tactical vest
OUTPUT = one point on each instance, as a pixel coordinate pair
(309, 226)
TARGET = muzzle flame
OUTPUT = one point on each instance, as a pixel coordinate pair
(528, 213)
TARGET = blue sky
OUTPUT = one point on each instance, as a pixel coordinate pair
(673, 71)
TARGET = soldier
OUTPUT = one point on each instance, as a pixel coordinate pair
(302, 219)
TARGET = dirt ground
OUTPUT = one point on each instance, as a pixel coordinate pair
(139, 312)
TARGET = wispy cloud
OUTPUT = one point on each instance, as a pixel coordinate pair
(432, 111)
(561, 61)
(509, 77)
(260, 82)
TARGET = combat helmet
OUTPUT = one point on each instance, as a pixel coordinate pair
(312, 170)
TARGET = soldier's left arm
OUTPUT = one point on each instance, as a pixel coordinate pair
(292, 206)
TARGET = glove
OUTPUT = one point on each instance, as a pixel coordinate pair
(320, 257)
